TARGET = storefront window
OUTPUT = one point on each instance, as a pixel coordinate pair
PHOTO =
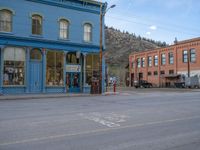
(54, 74)
(92, 68)
(14, 66)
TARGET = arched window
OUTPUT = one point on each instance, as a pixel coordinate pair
(35, 54)
(5, 20)
(36, 24)
(64, 29)
(87, 32)
(14, 66)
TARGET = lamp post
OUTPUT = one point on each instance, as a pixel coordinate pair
(102, 14)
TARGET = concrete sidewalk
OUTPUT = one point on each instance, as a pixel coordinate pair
(56, 95)
(39, 96)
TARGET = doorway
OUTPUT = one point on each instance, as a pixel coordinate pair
(35, 71)
(73, 82)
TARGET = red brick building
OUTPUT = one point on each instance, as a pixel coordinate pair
(165, 66)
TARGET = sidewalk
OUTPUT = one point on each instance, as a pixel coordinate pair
(43, 96)
(40, 96)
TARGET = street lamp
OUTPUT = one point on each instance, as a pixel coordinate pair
(102, 14)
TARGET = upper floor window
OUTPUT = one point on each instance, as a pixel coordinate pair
(149, 61)
(87, 32)
(133, 65)
(163, 59)
(143, 62)
(185, 56)
(171, 58)
(138, 62)
(36, 24)
(156, 60)
(5, 20)
(192, 55)
(64, 29)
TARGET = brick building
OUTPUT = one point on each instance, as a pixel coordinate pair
(165, 66)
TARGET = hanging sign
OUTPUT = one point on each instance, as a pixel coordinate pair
(73, 68)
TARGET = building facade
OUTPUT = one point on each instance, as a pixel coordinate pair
(49, 46)
(163, 67)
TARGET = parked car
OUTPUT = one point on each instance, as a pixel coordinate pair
(142, 84)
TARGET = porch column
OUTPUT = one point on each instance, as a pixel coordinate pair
(44, 62)
(1, 68)
(27, 69)
(84, 71)
(64, 71)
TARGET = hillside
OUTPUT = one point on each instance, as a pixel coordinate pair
(120, 44)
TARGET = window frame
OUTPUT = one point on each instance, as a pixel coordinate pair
(185, 56)
(14, 67)
(34, 26)
(143, 62)
(55, 68)
(156, 60)
(66, 29)
(171, 58)
(193, 55)
(10, 22)
(163, 59)
(149, 61)
(87, 36)
(138, 63)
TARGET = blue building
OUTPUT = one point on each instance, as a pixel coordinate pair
(49, 46)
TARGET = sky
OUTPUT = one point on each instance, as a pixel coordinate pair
(160, 20)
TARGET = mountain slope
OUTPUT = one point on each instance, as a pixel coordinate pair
(120, 44)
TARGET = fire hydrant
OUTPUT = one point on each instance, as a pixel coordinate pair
(114, 87)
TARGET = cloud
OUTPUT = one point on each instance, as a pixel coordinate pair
(148, 33)
(153, 27)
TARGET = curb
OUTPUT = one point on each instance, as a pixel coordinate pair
(26, 97)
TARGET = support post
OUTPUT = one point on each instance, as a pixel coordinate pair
(44, 62)
(27, 69)
(84, 71)
(64, 70)
(1, 68)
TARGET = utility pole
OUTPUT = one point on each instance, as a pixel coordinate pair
(102, 14)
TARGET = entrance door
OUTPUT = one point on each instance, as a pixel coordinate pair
(73, 82)
(35, 71)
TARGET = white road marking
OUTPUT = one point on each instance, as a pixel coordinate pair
(95, 131)
(108, 119)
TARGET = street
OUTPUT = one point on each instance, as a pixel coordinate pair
(130, 120)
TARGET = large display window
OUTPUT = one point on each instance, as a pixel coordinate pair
(92, 68)
(14, 66)
(54, 71)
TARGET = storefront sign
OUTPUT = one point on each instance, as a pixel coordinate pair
(73, 68)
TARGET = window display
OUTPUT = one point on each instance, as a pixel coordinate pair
(14, 66)
(54, 72)
(92, 68)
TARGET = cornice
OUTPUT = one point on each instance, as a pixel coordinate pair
(75, 5)
(45, 41)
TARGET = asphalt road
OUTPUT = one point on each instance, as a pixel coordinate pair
(165, 120)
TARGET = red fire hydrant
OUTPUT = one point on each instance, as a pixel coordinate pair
(114, 87)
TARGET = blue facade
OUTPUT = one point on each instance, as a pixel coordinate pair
(34, 74)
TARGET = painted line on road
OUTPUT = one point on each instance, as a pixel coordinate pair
(95, 131)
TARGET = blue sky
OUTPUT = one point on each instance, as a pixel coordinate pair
(161, 20)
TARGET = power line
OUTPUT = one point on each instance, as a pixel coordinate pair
(160, 27)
